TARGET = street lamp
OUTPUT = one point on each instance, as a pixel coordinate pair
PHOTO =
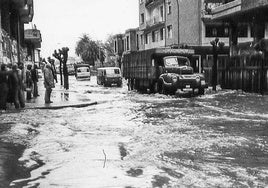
(217, 46)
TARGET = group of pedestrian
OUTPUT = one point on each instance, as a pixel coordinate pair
(31, 81)
(14, 81)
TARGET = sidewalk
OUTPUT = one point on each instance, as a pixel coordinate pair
(61, 99)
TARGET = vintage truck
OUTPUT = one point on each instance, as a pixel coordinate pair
(162, 70)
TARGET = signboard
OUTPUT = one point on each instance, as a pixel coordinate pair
(175, 51)
(32, 34)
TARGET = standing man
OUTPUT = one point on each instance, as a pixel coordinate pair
(3, 87)
(48, 82)
(22, 85)
(35, 80)
(29, 82)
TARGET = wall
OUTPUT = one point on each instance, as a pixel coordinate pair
(172, 19)
(189, 19)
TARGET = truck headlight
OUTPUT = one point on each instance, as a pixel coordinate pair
(198, 79)
(174, 79)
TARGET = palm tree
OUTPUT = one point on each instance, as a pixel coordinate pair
(89, 50)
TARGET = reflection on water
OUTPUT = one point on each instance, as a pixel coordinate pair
(217, 140)
(64, 96)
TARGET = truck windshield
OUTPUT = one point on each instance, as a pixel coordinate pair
(112, 71)
(176, 62)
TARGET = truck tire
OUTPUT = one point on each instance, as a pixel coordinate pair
(201, 91)
(173, 91)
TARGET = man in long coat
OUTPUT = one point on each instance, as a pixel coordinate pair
(48, 82)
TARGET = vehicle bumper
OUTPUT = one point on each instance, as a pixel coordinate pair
(187, 84)
(111, 81)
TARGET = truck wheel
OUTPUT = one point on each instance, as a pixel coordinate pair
(201, 91)
(173, 91)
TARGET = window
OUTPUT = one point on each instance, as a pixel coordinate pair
(169, 8)
(217, 31)
(142, 39)
(161, 13)
(116, 71)
(214, 32)
(226, 31)
(162, 34)
(127, 42)
(153, 36)
(115, 46)
(142, 18)
(169, 28)
(146, 39)
(137, 41)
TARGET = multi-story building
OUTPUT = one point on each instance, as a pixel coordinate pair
(130, 40)
(187, 23)
(118, 44)
(118, 48)
(13, 15)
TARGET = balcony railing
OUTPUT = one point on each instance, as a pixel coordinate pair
(151, 2)
(154, 21)
(147, 2)
(226, 9)
(206, 13)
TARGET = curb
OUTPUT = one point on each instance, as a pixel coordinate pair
(56, 107)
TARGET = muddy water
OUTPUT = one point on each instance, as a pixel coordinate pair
(9, 154)
(140, 140)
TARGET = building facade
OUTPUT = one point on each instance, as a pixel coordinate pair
(131, 40)
(166, 23)
(13, 15)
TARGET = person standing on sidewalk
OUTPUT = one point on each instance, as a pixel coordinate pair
(35, 80)
(48, 82)
(15, 86)
(3, 87)
(29, 82)
(22, 85)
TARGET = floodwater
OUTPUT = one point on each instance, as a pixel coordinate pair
(133, 140)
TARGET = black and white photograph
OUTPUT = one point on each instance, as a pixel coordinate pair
(134, 94)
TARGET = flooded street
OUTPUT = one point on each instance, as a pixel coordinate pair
(138, 140)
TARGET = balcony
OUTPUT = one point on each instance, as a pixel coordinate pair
(206, 13)
(149, 3)
(154, 21)
(227, 9)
